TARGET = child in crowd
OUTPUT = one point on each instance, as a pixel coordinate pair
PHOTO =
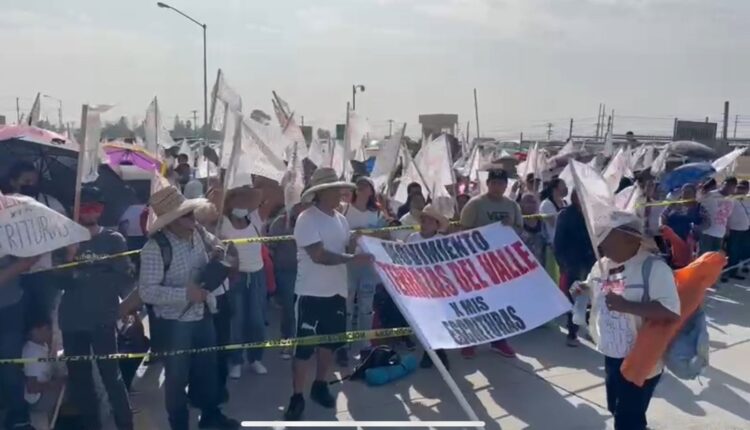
(431, 224)
(40, 376)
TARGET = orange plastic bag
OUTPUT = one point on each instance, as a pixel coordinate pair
(654, 337)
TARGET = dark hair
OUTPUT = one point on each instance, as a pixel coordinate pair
(708, 185)
(38, 320)
(547, 191)
(731, 180)
(183, 156)
(412, 186)
(743, 183)
(19, 168)
(372, 201)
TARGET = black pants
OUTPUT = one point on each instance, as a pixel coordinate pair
(737, 248)
(626, 401)
(222, 324)
(100, 340)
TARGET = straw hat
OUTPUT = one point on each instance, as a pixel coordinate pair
(169, 205)
(432, 212)
(324, 178)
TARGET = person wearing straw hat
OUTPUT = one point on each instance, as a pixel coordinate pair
(620, 304)
(431, 224)
(182, 307)
(324, 247)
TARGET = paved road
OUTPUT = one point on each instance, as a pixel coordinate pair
(549, 386)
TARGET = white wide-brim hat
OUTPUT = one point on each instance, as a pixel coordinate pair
(432, 212)
(324, 178)
(169, 205)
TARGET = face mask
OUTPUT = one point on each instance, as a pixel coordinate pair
(29, 190)
(240, 213)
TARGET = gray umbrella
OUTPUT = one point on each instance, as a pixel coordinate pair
(689, 148)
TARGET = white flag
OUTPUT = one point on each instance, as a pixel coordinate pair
(358, 129)
(36, 108)
(316, 152)
(616, 169)
(156, 133)
(91, 156)
(568, 148)
(726, 161)
(253, 157)
(225, 98)
(387, 159)
(431, 168)
(597, 202)
(293, 181)
(660, 162)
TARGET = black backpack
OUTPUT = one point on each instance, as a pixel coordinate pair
(380, 356)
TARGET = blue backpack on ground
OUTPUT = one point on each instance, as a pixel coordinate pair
(687, 355)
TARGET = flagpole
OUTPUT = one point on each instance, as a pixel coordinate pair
(236, 143)
(476, 110)
(79, 172)
(156, 122)
(347, 143)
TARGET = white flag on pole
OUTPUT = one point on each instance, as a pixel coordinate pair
(293, 181)
(660, 162)
(726, 161)
(609, 145)
(316, 152)
(253, 157)
(597, 202)
(35, 112)
(431, 168)
(225, 98)
(91, 156)
(387, 159)
(616, 169)
(157, 135)
(358, 129)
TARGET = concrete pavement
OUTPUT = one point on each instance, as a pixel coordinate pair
(550, 386)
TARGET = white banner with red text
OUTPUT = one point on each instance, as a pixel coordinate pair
(468, 288)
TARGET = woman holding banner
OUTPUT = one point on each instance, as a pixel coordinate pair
(362, 213)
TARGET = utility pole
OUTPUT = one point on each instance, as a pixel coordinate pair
(736, 119)
(18, 112)
(302, 119)
(390, 127)
(609, 125)
(549, 131)
(476, 111)
(612, 123)
(598, 120)
(570, 130)
(725, 128)
(520, 141)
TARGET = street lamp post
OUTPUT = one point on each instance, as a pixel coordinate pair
(355, 88)
(205, 71)
(59, 108)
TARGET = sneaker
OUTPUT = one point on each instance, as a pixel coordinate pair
(342, 357)
(235, 371)
(295, 409)
(503, 348)
(469, 352)
(217, 421)
(286, 354)
(321, 395)
(258, 368)
(572, 342)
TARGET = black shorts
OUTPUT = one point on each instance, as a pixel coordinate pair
(319, 316)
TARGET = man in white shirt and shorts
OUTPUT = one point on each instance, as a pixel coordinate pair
(324, 246)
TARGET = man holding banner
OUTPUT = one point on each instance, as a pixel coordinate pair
(486, 209)
(324, 247)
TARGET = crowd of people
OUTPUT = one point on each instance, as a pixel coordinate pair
(199, 290)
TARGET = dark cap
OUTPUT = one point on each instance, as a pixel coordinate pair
(497, 174)
(91, 194)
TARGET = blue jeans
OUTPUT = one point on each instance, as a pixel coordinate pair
(247, 297)
(362, 281)
(11, 375)
(178, 335)
(285, 280)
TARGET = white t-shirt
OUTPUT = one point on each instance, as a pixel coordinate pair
(361, 219)
(548, 208)
(719, 209)
(738, 219)
(41, 371)
(257, 222)
(251, 259)
(615, 332)
(313, 226)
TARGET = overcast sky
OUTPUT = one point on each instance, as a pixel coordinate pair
(532, 61)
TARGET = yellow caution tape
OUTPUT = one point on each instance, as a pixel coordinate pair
(346, 337)
(271, 239)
